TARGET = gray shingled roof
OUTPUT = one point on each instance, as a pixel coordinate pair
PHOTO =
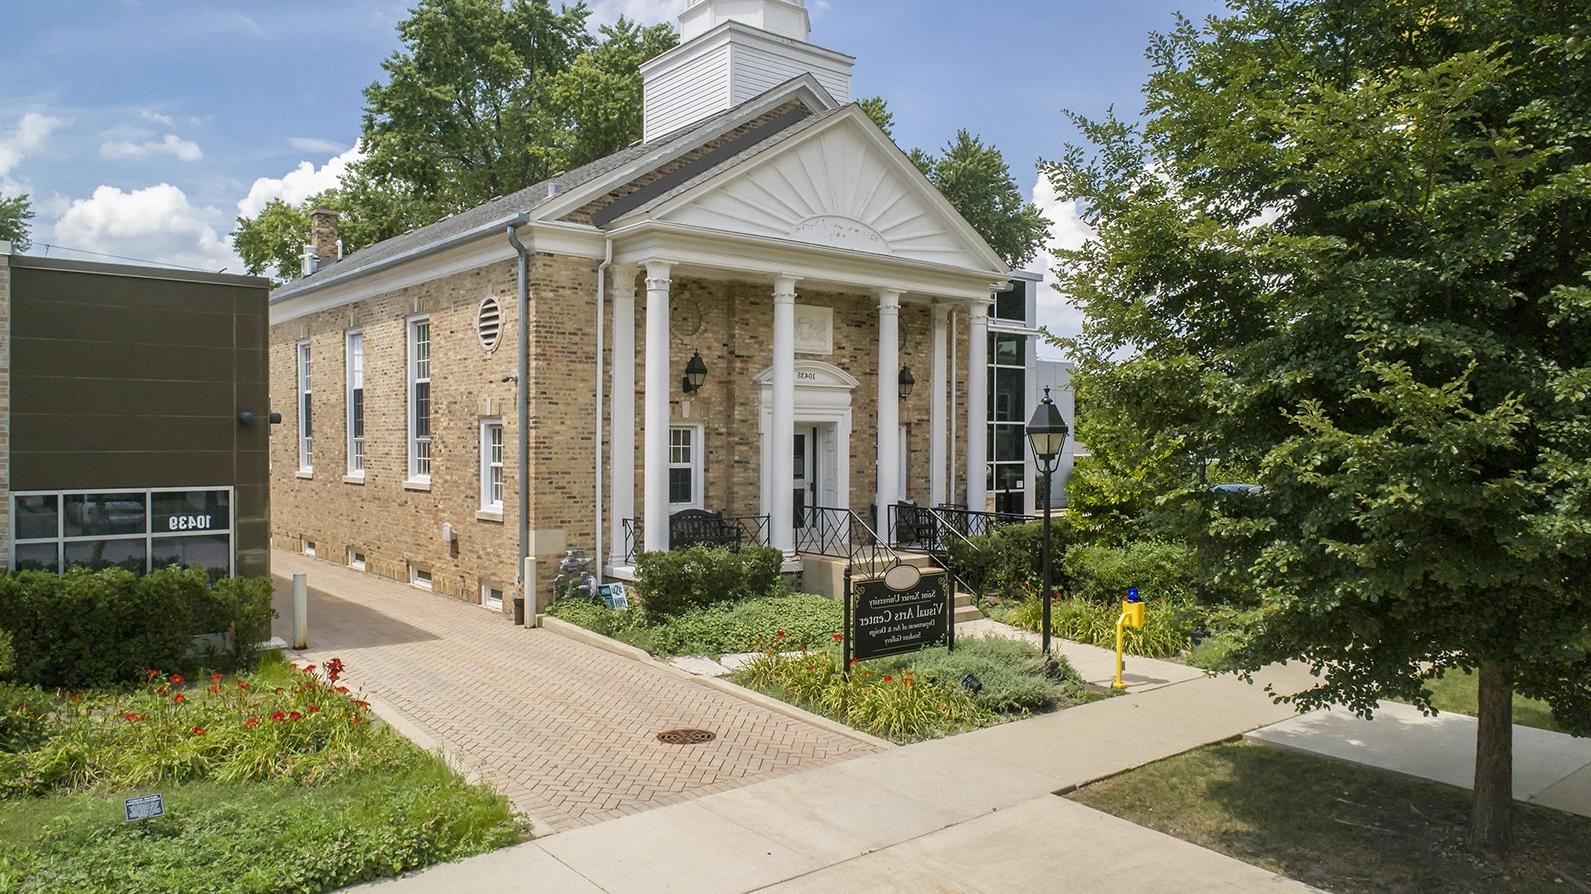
(526, 201)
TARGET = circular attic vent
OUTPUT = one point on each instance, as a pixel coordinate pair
(489, 323)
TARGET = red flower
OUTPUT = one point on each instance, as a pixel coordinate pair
(278, 716)
(130, 716)
(838, 637)
(179, 698)
(314, 709)
(888, 678)
(176, 678)
(197, 731)
(294, 715)
(215, 678)
(152, 673)
(342, 688)
(252, 722)
(243, 684)
(361, 703)
(214, 688)
(780, 634)
(353, 720)
(855, 660)
(309, 668)
(162, 691)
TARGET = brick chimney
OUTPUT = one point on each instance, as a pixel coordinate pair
(323, 235)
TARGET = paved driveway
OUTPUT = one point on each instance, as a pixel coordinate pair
(565, 730)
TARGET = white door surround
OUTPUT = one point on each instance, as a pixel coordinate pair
(822, 400)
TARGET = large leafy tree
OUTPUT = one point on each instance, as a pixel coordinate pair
(1349, 248)
(15, 213)
(485, 97)
(272, 242)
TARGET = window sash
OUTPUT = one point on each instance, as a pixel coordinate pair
(420, 398)
(685, 484)
(306, 432)
(492, 464)
(356, 403)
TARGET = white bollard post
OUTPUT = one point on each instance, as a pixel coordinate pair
(300, 611)
(528, 578)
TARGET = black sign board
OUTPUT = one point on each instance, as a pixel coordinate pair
(144, 807)
(886, 621)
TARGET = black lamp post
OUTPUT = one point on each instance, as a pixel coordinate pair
(1047, 436)
(906, 381)
(695, 373)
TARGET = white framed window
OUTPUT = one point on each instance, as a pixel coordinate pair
(420, 399)
(306, 428)
(420, 576)
(356, 403)
(139, 529)
(492, 465)
(306, 546)
(356, 559)
(491, 595)
(685, 467)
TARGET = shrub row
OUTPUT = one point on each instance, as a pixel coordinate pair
(97, 628)
(806, 620)
(670, 583)
(1168, 625)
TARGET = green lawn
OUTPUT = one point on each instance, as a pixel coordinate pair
(1339, 826)
(1455, 691)
(275, 781)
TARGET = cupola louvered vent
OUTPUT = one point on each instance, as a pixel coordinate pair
(489, 323)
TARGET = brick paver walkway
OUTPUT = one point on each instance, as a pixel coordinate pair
(565, 730)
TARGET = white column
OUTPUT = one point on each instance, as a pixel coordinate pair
(938, 400)
(888, 406)
(781, 431)
(621, 426)
(656, 394)
(977, 408)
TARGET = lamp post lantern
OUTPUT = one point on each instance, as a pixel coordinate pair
(695, 373)
(1047, 433)
(905, 382)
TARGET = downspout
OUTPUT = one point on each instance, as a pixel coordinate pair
(602, 281)
(522, 389)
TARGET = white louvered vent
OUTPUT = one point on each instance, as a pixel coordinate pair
(489, 323)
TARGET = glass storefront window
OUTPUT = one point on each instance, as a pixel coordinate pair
(1012, 304)
(99, 515)
(133, 529)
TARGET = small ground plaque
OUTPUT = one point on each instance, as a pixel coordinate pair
(144, 807)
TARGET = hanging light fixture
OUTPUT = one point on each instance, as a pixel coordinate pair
(906, 381)
(695, 373)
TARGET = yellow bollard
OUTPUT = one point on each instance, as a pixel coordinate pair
(1132, 615)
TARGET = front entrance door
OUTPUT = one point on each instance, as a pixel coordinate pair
(806, 472)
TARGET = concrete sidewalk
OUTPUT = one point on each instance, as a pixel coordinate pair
(1551, 769)
(974, 813)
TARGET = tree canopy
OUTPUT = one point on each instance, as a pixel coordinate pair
(15, 213)
(1348, 248)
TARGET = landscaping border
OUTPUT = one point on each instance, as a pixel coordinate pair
(597, 640)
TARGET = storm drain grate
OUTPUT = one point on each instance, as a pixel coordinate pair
(685, 736)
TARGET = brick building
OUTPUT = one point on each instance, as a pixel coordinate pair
(764, 229)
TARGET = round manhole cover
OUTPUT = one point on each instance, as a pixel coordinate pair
(685, 736)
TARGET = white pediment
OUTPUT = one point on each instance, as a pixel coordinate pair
(813, 374)
(839, 186)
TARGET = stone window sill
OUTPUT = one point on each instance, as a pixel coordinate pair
(306, 474)
(421, 484)
(353, 479)
(490, 515)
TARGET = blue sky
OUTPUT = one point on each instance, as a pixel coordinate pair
(143, 127)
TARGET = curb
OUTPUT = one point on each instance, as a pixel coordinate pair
(597, 640)
(783, 707)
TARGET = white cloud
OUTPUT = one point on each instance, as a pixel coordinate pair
(33, 129)
(156, 117)
(605, 12)
(298, 184)
(156, 224)
(170, 144)
(1067, 231)
(312, 144)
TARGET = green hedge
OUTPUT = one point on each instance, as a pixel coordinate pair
(97, 628)
(1159, 569)
(807, 621)
(670, 583)
(1007, 563)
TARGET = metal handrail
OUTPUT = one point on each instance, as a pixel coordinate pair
(754, 528)
(633, 532)
(842, 534)
(971, 523)
(935, 544)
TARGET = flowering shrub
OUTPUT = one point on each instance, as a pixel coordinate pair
(291, 724)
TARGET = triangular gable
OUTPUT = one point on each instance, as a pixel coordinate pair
(840, 183)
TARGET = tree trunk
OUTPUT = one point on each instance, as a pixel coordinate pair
(1492, 822)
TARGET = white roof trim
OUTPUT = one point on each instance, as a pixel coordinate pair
(854, 114)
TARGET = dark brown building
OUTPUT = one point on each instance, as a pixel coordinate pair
(134, 417)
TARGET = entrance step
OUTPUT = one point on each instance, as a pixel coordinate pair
(965, 609)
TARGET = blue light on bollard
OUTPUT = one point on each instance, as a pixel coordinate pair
(1132, 595)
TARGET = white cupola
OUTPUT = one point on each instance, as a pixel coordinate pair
(731, 51)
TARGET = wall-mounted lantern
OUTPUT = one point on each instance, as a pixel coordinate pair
(695, 373)
(906, 381)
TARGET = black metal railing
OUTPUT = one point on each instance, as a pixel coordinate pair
(971, 523)
(842, 534)
(927, 530)
(692, 527)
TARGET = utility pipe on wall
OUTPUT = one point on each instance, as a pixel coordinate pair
(522, 390)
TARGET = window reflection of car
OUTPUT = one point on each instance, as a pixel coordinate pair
(107, 514)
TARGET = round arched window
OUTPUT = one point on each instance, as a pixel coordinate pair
(489, 323)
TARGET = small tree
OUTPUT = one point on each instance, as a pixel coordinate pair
(15, 213)
(1349, 247)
